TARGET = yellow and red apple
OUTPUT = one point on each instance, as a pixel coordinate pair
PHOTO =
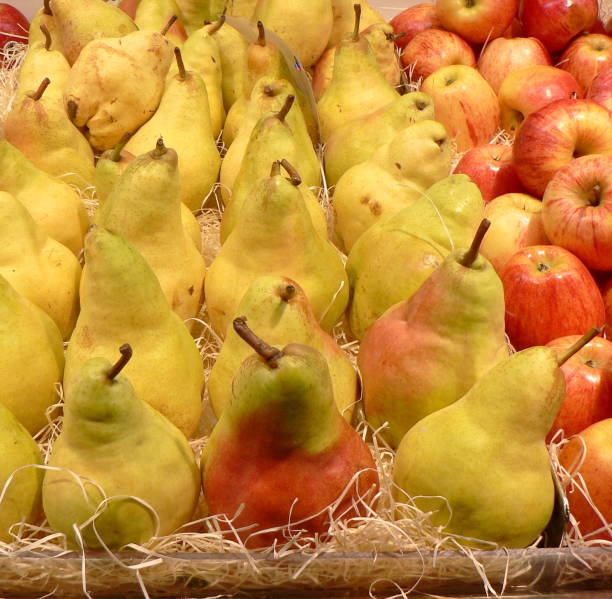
(586, 57)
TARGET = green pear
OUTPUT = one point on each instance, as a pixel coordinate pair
(394, 257)
(278, 309)
(41, 129)
(43, 19)
(31, 359)
(480, 465)
(82, 21)
(116, 85)
(194, 12)
(426, 352)
(183, 119)
(274, 235)
(122, 300)
(19, 456)
(358, 140)
(344, 18)
(145, 209)
(396, 175)
(154, 492)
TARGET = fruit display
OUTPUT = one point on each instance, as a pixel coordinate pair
(291, 279)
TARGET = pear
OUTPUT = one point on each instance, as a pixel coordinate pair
(426, 352)
(344, 17)
(116, 85)
(31, 360)
(145, 209)
(302, 455)
(19, 456)
(480, 465)
(278, 309)
(54, 205)
(161, 15)
(82, 21)
(154, 492)
(38, 267)
(183, 119)
(241, 8)
(394, 257)
(43, 19)
(398, 173)
(40, 128)
(357, 87)
(274, 234)
(195, 12)
(121, 299)
(358, 140)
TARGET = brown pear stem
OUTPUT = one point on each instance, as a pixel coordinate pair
(576, 347)
(119, 365)
(472, 253)
(179, 62)
(160, 148)
(357, 9)
(37, 95)
(287, 293)
(116, 153)
(275, 170)
(395, 36)
(270, 354)
(217, 25)
(47, 8)
(294, 176)
(72, 108)
(48, 40)
(282, 113)
(171, 21)
(261, 37)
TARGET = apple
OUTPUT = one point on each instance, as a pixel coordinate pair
(588, 458)
(526, 90)
(515, 29)
(476, 21)
(556, 134)
(577, 209)
(588, 385)
(516, 222)
(413, 20)
(14, 26)
(601, 89)
(490, 167)
(556, 22)
(505, 55)
(607, 297)
(586, 57)
(434, 48)
(549, 293)
(464, 103)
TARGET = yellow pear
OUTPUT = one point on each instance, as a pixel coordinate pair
(160, 15)
(43, 19)
(344, 18)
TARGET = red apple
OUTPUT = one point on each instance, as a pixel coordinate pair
(601, 89)
(607, 297)
(490, 167)
(527, 90)
(588, 385)
(465, 104)
(506, 55)
(515, 29)
(516, 222)
(13, 25)
(588, 457)
(555, 135)
(556, 22)
(586, 57)
(577, 209)
(476, 21)
(549, 293)
(413, 20)
(434, 48)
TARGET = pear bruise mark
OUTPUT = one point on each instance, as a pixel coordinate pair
(191, 290)
(398, 166)
(72, 108)
(270, 354)
(126, 354)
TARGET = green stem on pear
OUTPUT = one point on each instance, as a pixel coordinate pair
(261, 37)
(357, 9)
(72, 108)
(275, 170)
(294, 176)
(169, 24)
(472, 253)
(47, 8)
(179, 63)
(288, 293)
(116, 153)
(576, 347)
(217, 24)
(37, 95)
(160, 148)
(126, 353)
(45, 31)
(282, 113)
(270, 354)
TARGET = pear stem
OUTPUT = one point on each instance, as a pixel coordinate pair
(169, 24)
(47, 8)
(282, 113)
(119, 365)
(576, 347)
(72, 107)
(261, 37)
(217, 24)
(270, 354)
(294, 176)
(472, 253)
(179, 63)
(160, 148)
(116, 153)
(357, 9)
(287, 293)
(275, 170)
(37, 95)
(395, 36)
(45, 31)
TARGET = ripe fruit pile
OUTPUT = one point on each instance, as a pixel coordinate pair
(128, 103)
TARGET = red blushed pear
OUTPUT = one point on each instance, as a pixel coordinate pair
(589, 456)
(281, 453)
(129, 7)
(413, 20)
(588, 385)
(601, 89)
(586, 57)
(577, 209)
(548, 293)
(555, 135)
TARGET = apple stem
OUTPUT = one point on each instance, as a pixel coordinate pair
(126, 353)
(37, 95)
(287, 293)
(217, 25)
(179, 63)
(261, 37)
(160, 148)
(357, 9)
(294, 176)
(472, 253)
(48, 40)
(270, 354)
(275, 171)
(576, 347)
(169, 24)
(282, 113)
(116, 154)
